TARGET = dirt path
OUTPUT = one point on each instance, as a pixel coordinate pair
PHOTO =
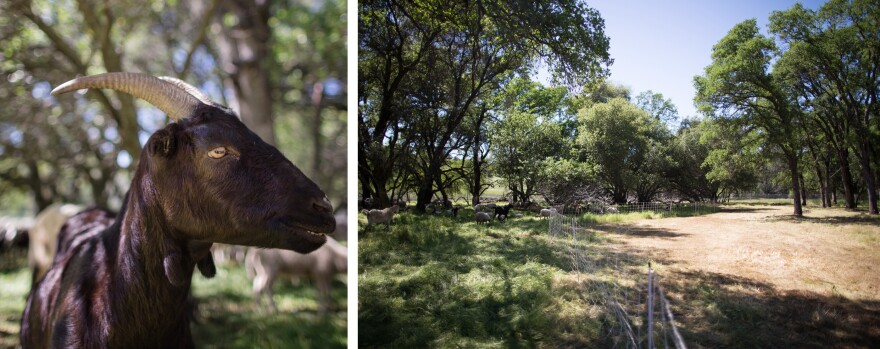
(830, 251)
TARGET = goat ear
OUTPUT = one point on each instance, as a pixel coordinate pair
(163, 143)
(206, 266)
(175, 263)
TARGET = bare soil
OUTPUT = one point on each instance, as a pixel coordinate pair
(829, 251)
(755, 276)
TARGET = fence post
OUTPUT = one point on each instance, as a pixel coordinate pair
(650, 308)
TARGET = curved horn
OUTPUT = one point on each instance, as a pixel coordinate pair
(189, 89)
(169, 97)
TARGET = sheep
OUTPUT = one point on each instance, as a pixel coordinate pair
(12, 236)
(454, 211)
(341, 232)
(484, 207)
(381, 216)
(322, 265)
(549, 212)
(204, 178)
(226, 254)
(482, 217)
(44, 237)
(501, 212)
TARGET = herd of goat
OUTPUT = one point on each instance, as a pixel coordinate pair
(483, 213)
(120, 280)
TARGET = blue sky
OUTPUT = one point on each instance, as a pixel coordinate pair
(661, 45)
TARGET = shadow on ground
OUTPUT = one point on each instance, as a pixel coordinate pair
(636, 231)
(862, 219)
(724, 311)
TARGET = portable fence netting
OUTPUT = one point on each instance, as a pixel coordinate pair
(638, 312)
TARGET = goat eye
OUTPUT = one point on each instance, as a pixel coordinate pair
(217, 153)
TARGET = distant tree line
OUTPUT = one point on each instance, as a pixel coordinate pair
(806, 95)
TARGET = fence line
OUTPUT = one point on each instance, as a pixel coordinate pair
(590, 266)
(601, 208)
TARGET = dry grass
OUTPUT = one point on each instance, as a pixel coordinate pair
(757, 277)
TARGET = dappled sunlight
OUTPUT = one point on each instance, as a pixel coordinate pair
(226, 315)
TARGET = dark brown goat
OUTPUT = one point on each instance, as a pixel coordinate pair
(501, 212)
(204, 179)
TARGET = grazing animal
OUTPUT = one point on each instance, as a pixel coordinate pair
(454, 211)
(548, 212)
(226, 254)
(484, 207)
(482, 217)
(14, 233)
(44, 237)
(432, 208)
(341, 232)
(501, 212)
(202, 179)
(381, 216)
(322, 265)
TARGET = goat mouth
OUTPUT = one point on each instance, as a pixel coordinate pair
(316, 230)
(300, 237)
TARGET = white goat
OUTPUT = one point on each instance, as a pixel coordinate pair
(322, 265)
(44, 236)
(482, 217)
(341, 232)
(549, 212)
(381, 216)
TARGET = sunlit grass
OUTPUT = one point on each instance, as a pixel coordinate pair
(617, 218)
(438, 281)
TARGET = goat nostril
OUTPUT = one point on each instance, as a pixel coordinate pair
(323, 205)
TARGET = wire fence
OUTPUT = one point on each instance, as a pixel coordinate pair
(638, 312)
(600, 208)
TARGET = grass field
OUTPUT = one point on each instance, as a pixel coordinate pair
(227, 316)
(432, 281)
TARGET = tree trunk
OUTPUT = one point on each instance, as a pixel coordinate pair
(475, 185)
(823, 183)
(795, 183)
(426, 189)
(868, 173)
(846, 178)
(244, 57)
(379, 185)
(803, 190)
(423, 197)
(126, 116)
(42, 197)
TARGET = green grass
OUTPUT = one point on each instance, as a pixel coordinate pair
(619, 218)
(432, 281)
(227, 315)
(15, 280)
(770, 202)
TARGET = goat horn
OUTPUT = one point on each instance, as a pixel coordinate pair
(171, 98)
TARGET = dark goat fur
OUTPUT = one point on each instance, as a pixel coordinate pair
(124, 283)
(502, 211)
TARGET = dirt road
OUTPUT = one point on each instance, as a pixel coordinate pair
(829, 251)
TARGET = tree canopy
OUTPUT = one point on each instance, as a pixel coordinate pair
(279, 64)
